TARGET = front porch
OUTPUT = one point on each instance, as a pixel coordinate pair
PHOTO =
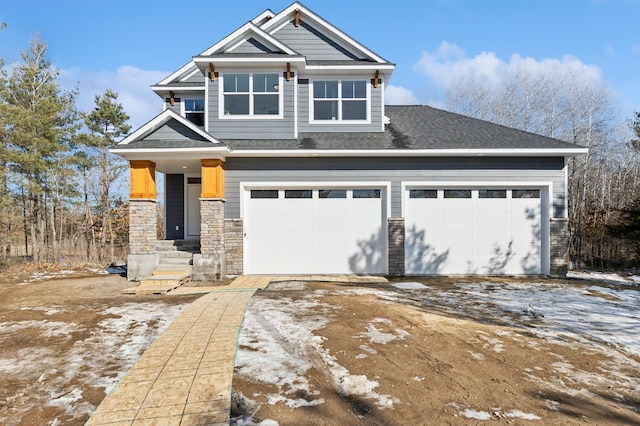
(195, 227)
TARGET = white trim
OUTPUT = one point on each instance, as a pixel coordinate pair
(251, 94)
(174, 76)
(177, 88)
(266, 14)
(188, 76)
(339, 99)
(546, 205)
(530, 152)
(252, 60)
(245, 188)
(566, 189)
(354, 67)
(334, 32)
(206, 104)
(158, 121)
(337, 184)
(295, 105)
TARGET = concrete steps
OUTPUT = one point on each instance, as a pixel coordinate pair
(174, 269)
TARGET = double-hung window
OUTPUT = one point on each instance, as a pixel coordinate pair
(343, 100)
(194, 111)
(251, 94)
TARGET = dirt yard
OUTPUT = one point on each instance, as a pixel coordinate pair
(65, 341)
(454, 352)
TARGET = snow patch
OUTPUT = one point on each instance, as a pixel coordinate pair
(410, 286)
(521, 415)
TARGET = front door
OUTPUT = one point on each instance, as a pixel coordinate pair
(193, 209)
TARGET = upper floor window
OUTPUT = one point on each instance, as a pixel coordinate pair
(194, 111)
(251, 94)
(344, 100)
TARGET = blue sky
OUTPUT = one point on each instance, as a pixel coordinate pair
(127, 46)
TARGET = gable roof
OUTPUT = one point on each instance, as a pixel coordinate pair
(137, 137)
(329, 30)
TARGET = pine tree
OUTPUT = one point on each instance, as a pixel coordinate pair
(107, 123)
(41, 121)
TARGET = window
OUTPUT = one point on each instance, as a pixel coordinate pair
(423, 193)
(251, 94)
(525, 193)
(264, 193)
(344, 100)
(332, 193)
(492, 193)
(457, 193)
(194, 111)
(298, 193)
(366, 193)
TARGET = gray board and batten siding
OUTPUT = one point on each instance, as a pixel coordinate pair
(394, 170)
(309, 42)
(252, 46)
(174, 131)
(247, 127)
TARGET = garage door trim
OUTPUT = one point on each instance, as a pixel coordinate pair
(546, 188)
(385, 186)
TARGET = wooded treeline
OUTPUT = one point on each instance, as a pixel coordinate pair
(604, 185)
(57, 200)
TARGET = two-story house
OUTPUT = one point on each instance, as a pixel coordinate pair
(281, 157)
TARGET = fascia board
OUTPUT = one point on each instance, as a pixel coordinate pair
(382, 67)
(411, 153)
(264, 15)
(236, 60)
(334, 31)
(173, 77)
(159, 121)
(163, 89)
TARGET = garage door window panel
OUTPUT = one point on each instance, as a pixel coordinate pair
(457, 193)
(264, 193)
(332, 193)
(366, 193)
(423, 193)
(298, 193)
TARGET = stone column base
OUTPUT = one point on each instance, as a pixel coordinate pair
(207, 268)
(559, 247)
(396, 245)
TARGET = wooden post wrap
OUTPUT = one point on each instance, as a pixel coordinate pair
(143, 179)
(212, 173)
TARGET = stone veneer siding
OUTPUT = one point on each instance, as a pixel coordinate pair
(142, 226)
(233, 238)
(212, 227)
(396, 245)
(559, 247)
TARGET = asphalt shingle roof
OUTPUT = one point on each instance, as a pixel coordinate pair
(410, 127)
(414, 127)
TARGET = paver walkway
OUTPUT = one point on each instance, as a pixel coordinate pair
(184, 377)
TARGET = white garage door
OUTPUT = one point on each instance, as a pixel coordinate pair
(473, 231)
(315, 231)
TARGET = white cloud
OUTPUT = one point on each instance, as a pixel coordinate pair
(132, 85)
(449, 63)
(398, 95)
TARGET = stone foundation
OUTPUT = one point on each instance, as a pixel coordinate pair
(559, 247)
(234, 240)
(212, 261)
(142, 226)
(396, 246)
